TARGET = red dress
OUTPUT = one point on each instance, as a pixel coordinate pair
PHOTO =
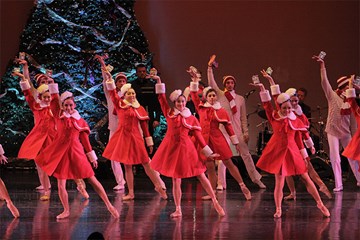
(127, 144)
(65, 158)
(211, 116)
(281, 154)
(177, 156)
(352, 150)
(44, 129)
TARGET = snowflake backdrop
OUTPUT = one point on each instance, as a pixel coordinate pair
(64, 36)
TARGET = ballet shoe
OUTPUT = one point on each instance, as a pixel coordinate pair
(323, 209)
(82, 191)
(114, 212)
(245, 191)
(176, 214)
(14, 211)
(206, 197)
(219, 209)
(325, 191)
(162, 192)
(46, 196)
(278, 213)
(63, 215)
(128, 197)
(291, 196)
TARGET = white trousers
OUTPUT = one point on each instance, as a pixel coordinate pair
(248, 161)
(335, 159)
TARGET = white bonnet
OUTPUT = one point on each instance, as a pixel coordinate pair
(283, 97)
(125, 88)
(65, 95)
(175, 94)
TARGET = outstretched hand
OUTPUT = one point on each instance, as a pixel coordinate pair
(212, 60)
(95, 164)
(260, 85)
(3, 159)
(18, 74)
(214, 156)
(318, 59)
(268, 77)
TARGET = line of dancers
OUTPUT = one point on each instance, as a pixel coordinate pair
(59, 142)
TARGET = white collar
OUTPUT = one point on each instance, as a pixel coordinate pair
(135, 104)
(185, 113)
(75, 115)
(216, 105)
(298, 110)
(291, 116)
(43, 105)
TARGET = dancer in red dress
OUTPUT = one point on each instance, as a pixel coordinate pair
(294, 100)
(211, 116)
(352, 150)
(4, 195)
(65, 158)
(44, 129)
(177, 156)
(127, 143)
(281, 155)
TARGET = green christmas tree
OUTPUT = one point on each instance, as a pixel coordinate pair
(64, 36)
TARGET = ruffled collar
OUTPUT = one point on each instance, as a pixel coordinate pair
(75, 115)
(298, 110)
(185, 113)
(291, 116)
(215, 106)
(134, 104)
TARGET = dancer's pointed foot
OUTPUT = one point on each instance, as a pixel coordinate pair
(245, 191)
(260, 184)
(14, 211)
(206, 197)
(278, 213)
(128, 197)
(83, 192)
(291, 196)
(323, 209)
(114, 212)
(176, 214)
(325, 191)
(46, 196)
(162, 192)
(64, 214)
(219, 209)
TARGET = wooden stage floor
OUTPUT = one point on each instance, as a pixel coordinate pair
(147, 217)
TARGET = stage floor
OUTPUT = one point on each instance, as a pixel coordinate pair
(147, 217)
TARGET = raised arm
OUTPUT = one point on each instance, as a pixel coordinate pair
(210, 75)
(324, 79)
(160, 91)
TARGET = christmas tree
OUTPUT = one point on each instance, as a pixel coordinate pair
(64, 36)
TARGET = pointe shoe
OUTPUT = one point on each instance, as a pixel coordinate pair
(46, 196)
(326, 191)
(162, 192)
(114, 212)
(245, 191)
(14, 211)
(128, 197)
(39, 187)
(176, 214)
(83, 192)
(278, 213)
(63, 215)
(220, 187)
(291, 196)
(323, 209)
(206, 197)
(260, 184)
(338, 189)
(119, 187)
(219, 209)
